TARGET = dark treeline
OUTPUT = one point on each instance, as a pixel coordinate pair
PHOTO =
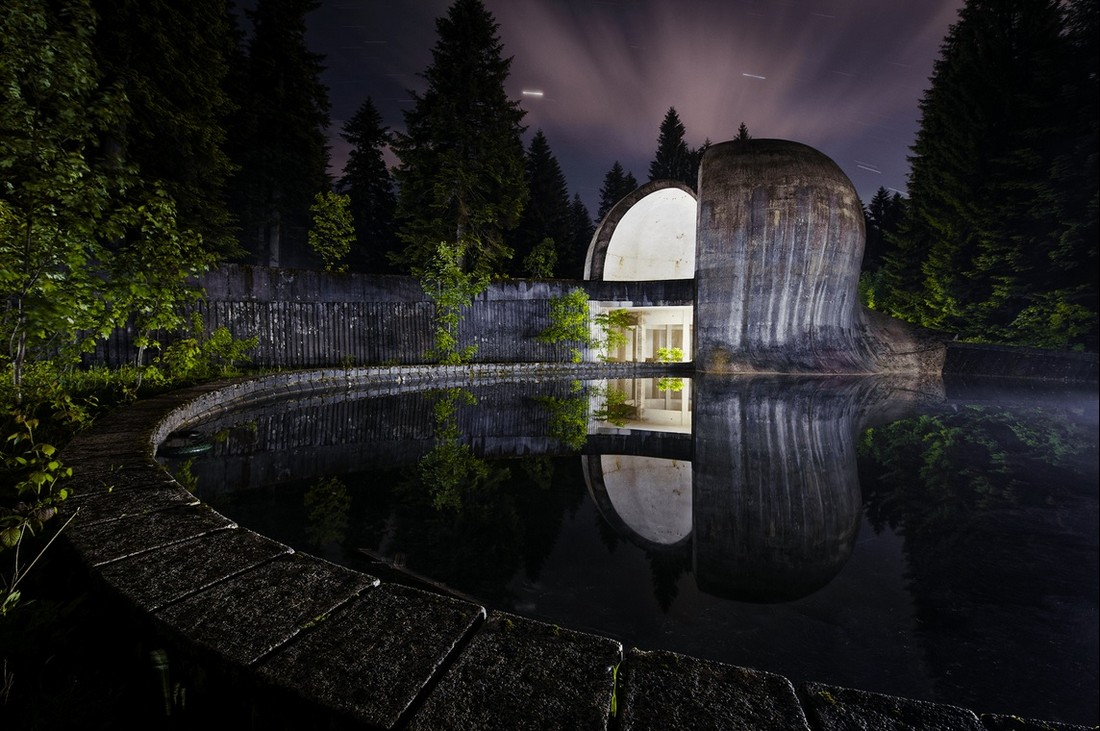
(213, 127)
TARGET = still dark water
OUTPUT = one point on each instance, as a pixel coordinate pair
(938, 542)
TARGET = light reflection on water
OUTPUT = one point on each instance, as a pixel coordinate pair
(792, 524)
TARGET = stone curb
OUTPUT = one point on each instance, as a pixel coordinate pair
(374, 654)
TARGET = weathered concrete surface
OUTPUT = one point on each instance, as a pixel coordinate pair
(519, 673)
(665, 690)
(247, 616)
(155, 579)
(1007, 362)
(370, 660)
(779, 245)
(832, 708)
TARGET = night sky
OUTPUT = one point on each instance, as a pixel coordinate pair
(844, 76)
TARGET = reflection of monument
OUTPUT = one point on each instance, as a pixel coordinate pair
(776, 499)
(770, 503)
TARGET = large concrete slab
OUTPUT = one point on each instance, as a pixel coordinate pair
(155, 579)
(665, 690)
(994, 722)
(249, 615)
(832, 708)
(370, 660)
(102, 541)
(519, 673)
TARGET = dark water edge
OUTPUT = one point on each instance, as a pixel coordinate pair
(979, 592)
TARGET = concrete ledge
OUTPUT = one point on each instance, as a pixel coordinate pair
(373, 654)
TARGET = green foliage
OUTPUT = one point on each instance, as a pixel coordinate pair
(278, 137)
(333, 231)
(450, 468)
(56, 208)
(153, 275)
(540, 260)
(461, 177)
(199, 356)
(670, 355)
(569, 321)
(171, 60)
(1001, 222)
(451, 289)
(615, 409)
(568, 417)
(668, 383)
(32, 488)
(613, 325)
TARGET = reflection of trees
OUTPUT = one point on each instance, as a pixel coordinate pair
(327, 503)
(666, 568)
(450, 468)
(568, 416)
(991, 503)
(472, 523)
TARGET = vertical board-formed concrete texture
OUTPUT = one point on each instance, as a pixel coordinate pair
(779, 245)
(780, 242)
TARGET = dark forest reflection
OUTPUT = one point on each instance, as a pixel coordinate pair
(732, 495)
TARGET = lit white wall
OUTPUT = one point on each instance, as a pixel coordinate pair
(655, 239)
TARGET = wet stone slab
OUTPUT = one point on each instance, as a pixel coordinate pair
(832, 708)
(666, 690)
(520, 673)
(249, 615)
(371, 659)
(999, 722)
(110, 540)
(133, 493)
(155, 579)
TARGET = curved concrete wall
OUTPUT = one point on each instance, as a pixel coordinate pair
(780, 241)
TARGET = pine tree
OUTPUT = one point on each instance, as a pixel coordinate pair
(673, 159)
(461, 176)
(743, 132)
(369, 186)
(985, 226)
(581, 229)
(883, 216)
(170, 60)
(617, 184)
(546, 215)
(279, 136)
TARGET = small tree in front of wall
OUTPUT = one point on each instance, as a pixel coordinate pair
(450, 289)
(333, 231)
(614, 324)
(569, 322)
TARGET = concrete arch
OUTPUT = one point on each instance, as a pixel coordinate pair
(648, 235)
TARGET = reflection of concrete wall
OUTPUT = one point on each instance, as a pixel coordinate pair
(776, 496)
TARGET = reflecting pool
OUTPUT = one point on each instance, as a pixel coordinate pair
(935, 540)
